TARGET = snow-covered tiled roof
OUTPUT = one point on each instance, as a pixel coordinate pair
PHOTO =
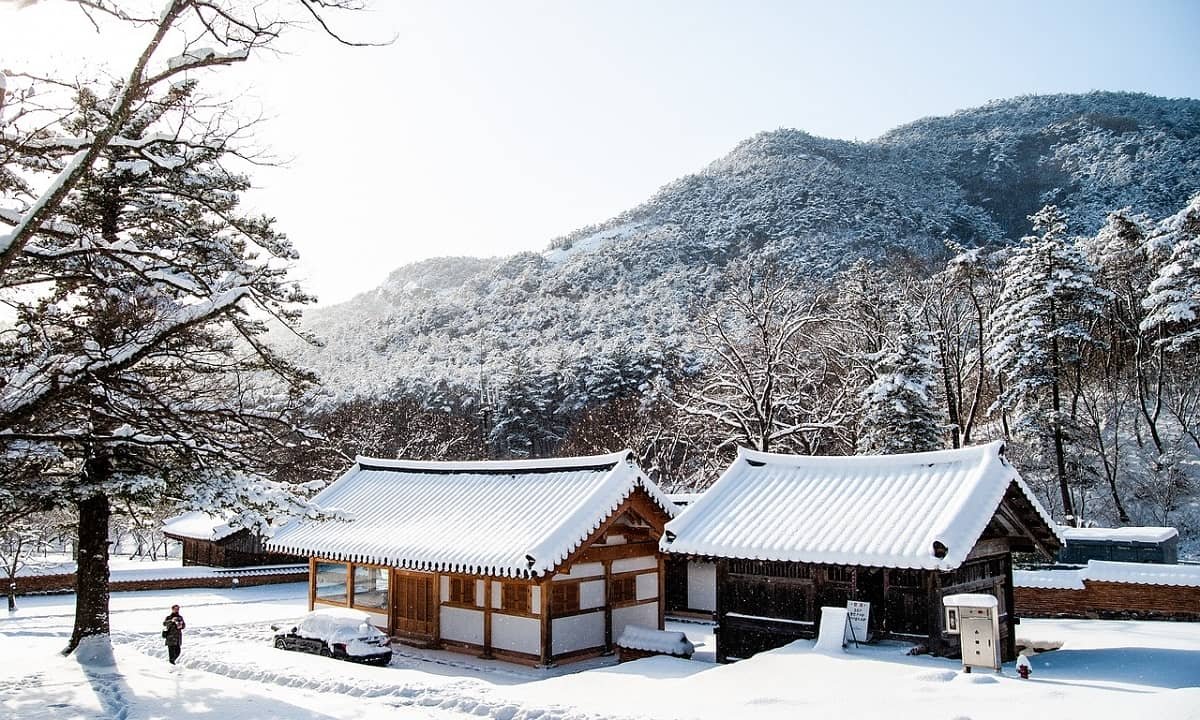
(1142, 573)
(199, 526)
(879, 510)
(669, 642)
(1114, 572)
(1048, 579)
(1122, 534)
(507, 518)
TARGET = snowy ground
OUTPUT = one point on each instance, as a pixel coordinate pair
(229, 670)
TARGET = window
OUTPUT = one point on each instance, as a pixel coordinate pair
(331, 582)
(564, 598)
(515, 598)
(370, 587)
(622, 589)
(462, 591)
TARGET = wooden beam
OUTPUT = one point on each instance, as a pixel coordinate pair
(662, 592)
(601, 553)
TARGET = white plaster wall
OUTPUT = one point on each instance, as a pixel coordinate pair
(520, 634)
(497, 594)
(535, 600)
(644, 615)
(582, 571)
(462, 625)
(702, 586)
(637, 563)
(578, 632)
(647, 586)
(445, 590)
(479, 594)
(591, 594)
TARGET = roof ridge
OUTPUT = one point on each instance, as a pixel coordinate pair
(580, 462)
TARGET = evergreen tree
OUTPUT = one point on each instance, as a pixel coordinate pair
(900, 413)
(1173, 301)
(1039, 329)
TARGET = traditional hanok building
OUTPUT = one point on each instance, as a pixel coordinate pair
(792, 534)
(210, 540)
(538, 561)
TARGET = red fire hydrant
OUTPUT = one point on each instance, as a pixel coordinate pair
(1024, 669)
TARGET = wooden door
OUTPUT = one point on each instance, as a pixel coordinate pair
(416, 604)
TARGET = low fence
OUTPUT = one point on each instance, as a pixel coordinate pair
(205, 578)
(1110, 590)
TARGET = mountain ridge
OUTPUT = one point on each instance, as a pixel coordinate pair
(813, 205)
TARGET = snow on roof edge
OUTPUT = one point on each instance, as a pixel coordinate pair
(581, 461)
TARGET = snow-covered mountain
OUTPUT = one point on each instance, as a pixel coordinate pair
(624, 293)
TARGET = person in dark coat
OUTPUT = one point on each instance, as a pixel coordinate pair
(173, 627)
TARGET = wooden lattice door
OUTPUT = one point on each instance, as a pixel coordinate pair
(416, 605)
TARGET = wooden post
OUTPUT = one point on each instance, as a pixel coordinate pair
(662, 591)
(722, 589)
(547, 654)
(436, 640)
(487, 617)
(608, 608)
(312, 583)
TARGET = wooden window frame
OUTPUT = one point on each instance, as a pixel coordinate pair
(564, 598)
(622, 590)
(461, 592)
(516, 598)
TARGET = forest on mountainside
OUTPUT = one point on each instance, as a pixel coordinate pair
(999, 273)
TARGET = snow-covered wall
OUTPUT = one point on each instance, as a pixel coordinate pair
(462, 625)
(519, 634)
(579, 632)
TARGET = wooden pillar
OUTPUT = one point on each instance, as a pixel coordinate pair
(437, 610)
(608, 608)
(722, 601)
(487, 617)
(546, 658)
(1009, 651)
(312, 583)
(662, 592)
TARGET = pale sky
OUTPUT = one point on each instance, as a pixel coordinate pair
(489, 127)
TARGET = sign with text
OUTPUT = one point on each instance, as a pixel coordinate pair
(857, 615)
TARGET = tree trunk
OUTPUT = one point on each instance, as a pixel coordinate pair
(91, 575)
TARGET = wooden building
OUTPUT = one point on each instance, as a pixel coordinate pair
(1125, 544)
(792, 534)
(539, 561)
(211, 541)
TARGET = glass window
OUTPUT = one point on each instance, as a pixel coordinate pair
(331, 582)
(370, 587)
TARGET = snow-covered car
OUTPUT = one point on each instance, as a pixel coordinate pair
(337, 632)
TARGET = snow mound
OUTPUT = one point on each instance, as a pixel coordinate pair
(95, 651)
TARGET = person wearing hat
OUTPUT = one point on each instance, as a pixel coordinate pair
(172, 633)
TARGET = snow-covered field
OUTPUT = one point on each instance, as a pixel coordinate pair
(230, 670)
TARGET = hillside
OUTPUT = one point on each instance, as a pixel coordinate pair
(624, 292)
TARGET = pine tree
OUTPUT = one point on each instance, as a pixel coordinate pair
(1173, 301)
(900, 413)
(1039, 329)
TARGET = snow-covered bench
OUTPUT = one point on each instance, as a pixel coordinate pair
(638, 642)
